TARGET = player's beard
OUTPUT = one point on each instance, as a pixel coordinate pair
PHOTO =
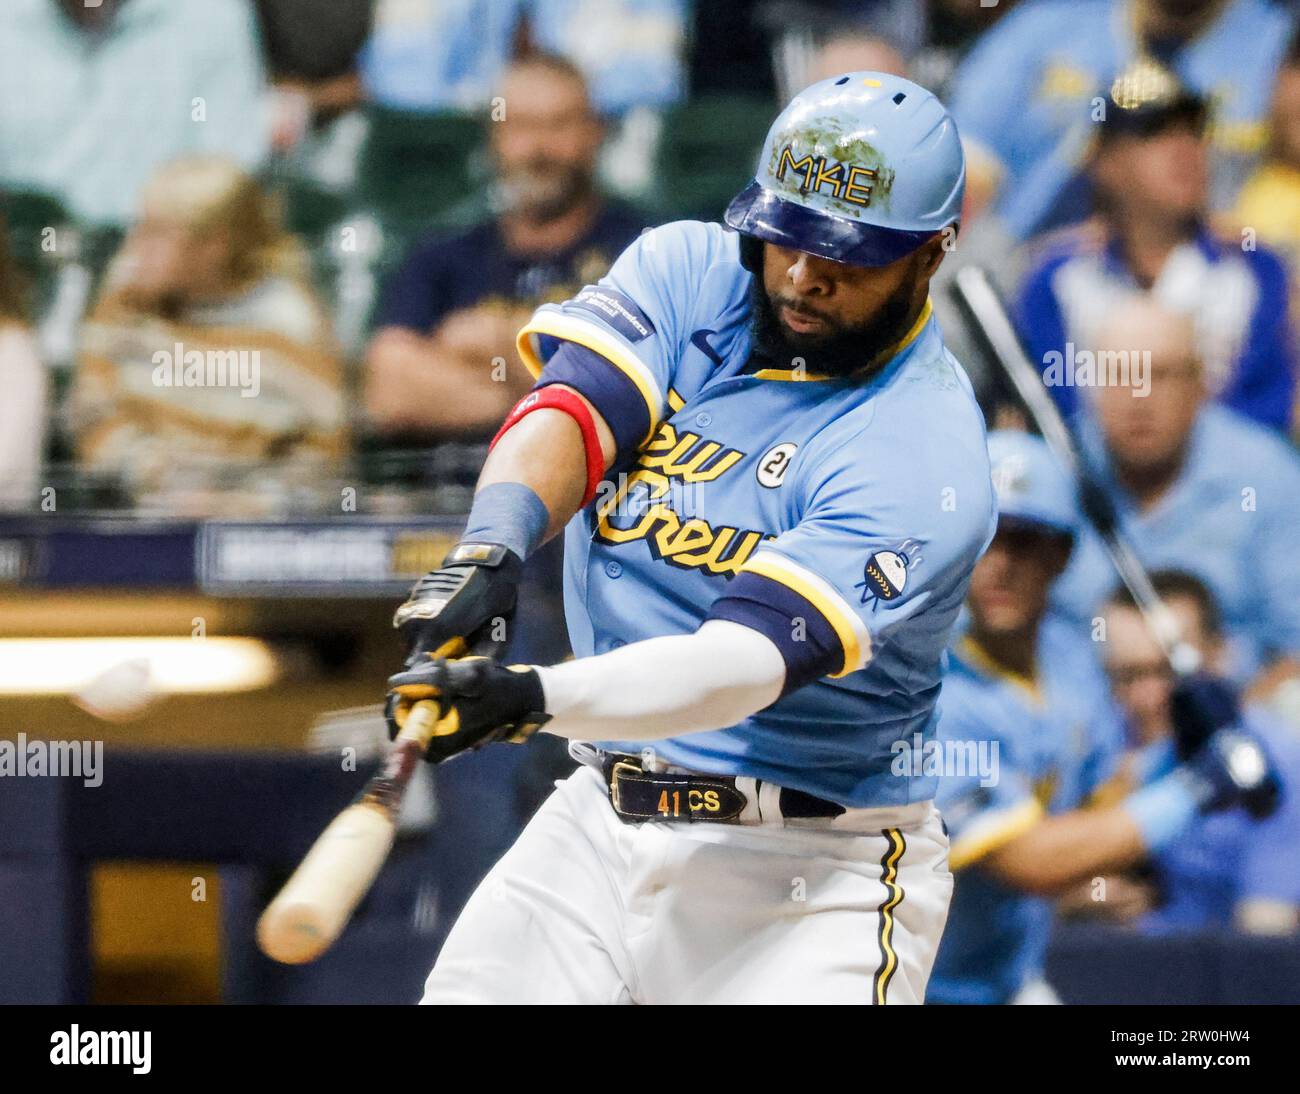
(843, 350)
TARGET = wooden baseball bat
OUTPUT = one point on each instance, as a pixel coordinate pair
(310, 912)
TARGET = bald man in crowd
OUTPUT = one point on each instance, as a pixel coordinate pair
(1198, 488)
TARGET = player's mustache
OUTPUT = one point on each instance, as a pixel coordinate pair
(800, 309)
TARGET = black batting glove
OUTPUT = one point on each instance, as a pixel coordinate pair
(463, 606)
(1200, 706)
(479, 701)
(1233, 768)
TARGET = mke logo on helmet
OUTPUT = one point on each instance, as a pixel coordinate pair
(852, 183)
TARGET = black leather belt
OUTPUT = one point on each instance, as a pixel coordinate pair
(640, 795)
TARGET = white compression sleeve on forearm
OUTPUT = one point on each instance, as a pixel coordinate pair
(682, 683)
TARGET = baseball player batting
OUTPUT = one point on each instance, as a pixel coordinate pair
(773, 482)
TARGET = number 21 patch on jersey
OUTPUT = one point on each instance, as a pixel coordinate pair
(775, 463)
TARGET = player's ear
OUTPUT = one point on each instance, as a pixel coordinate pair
(933, 250)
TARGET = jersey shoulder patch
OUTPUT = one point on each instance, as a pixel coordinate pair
(617, 309)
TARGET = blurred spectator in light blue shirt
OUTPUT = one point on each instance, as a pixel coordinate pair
(1025, 98)
(93, 98)
(631, 51)
(1149, 171)
(438, 54)
(1225, 869)
(450, 54)
(1197, 488)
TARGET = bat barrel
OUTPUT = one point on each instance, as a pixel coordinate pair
(310, 912)
(315, 904)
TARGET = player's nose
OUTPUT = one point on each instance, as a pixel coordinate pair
(809, 275)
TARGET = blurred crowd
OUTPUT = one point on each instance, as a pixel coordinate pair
(254, 249)
(360, 200)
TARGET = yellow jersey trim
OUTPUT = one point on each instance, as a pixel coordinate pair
(854, 637)
(586, 334)
(974, 652)
(992, 831)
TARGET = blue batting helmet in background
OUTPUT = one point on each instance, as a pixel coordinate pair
(1032, 487)
(861, 168)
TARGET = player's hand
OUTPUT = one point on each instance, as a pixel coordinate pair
(1233, 768)
(479, 701)
(1200, 706)
(462, 607)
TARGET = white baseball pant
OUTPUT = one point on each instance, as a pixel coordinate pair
(585, 908)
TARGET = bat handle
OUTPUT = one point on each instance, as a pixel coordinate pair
(409, 746)
(421, 725)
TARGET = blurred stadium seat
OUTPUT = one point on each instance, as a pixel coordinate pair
(310, 210)
(29, 213)
(417, 167)
(707, 153)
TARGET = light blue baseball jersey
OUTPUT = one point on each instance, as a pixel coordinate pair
(1231, 518)
(840, 517)
(1057, 739)
(1026, 94)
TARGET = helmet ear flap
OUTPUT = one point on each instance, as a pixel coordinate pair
(751, 253)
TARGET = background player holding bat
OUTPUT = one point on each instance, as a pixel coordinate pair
(759, 596)
(1056, 814)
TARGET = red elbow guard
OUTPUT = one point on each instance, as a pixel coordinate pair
(554, 397)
